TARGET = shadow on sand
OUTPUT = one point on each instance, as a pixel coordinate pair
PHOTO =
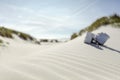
(111, 48)
(100, 47)
(95, 46)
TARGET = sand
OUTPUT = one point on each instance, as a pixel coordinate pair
(73, 60)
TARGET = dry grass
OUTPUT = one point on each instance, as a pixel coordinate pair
(113, 20)
(5, 32)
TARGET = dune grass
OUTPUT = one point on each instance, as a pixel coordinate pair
(74, 36)
(5, 32)
(25, 36)
(113, 20)
(1, 41)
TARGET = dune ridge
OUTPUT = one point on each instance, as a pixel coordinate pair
(73, 60)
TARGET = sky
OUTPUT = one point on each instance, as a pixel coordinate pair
(54, 18)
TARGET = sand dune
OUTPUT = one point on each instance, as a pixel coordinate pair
(73, 60)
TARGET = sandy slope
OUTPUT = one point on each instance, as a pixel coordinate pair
(73, 60)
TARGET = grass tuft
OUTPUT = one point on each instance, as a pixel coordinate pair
(113, 20)
(8, 33)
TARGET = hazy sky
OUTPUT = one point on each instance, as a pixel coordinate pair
(54, 18)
